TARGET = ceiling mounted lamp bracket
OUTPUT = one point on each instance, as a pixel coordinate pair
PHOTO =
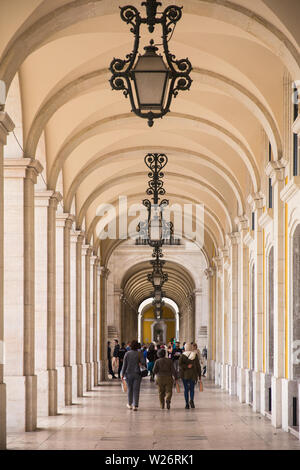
(151, 81)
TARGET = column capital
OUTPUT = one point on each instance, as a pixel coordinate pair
(291, 190)
(45, 198)
(276, 170)
(94, 259)
(22, 168)
(80, 237)
(218, 262)
(242, 222)
(256, 201)
(65, 220)
(105, 272)
(234, 237)
(210, 272)
(6, 126)
(266, 218)
(86, 250)
(74, 234)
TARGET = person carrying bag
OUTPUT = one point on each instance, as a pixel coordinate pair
(190, 371)
(131, 371)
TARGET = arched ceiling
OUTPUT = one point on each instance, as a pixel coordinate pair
(94, 147)
(137, 288)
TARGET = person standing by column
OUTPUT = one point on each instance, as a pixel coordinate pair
(132, 373)
(110, 370)
(151, 356)
(115, 359)
(190, 371)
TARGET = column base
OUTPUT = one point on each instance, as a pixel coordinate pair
(241, 385)
(95, 373)
(74, 383)
(21, 403)
(68, 385)
(227, 377)
(2, 416)
(52, 373)
(60, 387)
(42, 393)
(80, 374)
(102, 371)
(248, 387)
(288, 393)
(88, 376)
(256, 391)
(223, 376)
(211, 370)
(276, 402)
(265, 396)
(232, 380)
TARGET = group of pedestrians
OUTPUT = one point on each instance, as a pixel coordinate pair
(166, 365)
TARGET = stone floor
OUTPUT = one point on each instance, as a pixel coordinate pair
(100, 420)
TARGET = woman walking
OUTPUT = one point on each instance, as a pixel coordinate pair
(190, 371)
(164, 371)
(132, 373)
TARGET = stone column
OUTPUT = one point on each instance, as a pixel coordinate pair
(6, 126)
(73, 311)
(200, 320)
(211, 342)
(218, 263)
(67, 308)
(88, 319)
(59, 306)
(117, 310)
(243, 308)
(95, 291)
(276, 170)
(233, 347)
(79, 302)
(257, 202)
(45, 211)
(224, 318)
(20, 178)
(103, 322)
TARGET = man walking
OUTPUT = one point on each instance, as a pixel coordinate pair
(110, 370)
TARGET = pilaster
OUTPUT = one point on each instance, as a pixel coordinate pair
(20, 177)
(6, 126)
(104, 273)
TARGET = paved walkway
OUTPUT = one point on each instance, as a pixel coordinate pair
(101, 420)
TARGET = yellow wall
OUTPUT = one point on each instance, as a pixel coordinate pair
(167, 315)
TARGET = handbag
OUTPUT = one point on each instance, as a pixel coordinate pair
(124, 386)
(143, 371)
(177, 386)
(200, 386)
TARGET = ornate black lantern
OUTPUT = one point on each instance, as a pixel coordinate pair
(150, 80)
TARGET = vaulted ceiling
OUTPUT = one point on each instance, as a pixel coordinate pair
(55, 56)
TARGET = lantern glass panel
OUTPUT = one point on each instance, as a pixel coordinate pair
(150, 77)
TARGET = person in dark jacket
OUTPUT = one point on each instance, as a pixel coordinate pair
(164, 372)
(115, 359)
(121, 354)
(176, 353)
(110, 370)
(132, 373)
(151, 356)
(190, 371)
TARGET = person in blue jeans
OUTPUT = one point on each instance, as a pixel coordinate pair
(190, 371)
